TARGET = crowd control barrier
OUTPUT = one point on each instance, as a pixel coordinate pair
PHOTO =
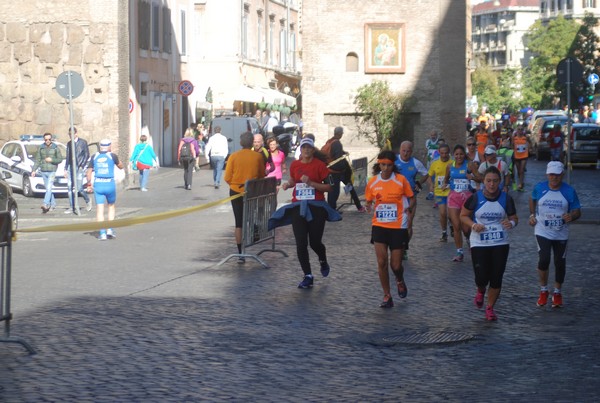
(6, 233)
(260, 201)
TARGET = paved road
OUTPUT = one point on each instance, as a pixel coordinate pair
(150, 317)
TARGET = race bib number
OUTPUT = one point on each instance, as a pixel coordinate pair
(386, 212)
(461, 185)
(305, 192)
(440, 181)
(554, 222)
(521, 148)
(492, 234)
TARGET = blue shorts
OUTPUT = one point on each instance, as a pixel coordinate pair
(105, 192)
(441, 199)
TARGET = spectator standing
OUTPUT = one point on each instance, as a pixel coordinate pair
(216, 151)
(47, 158)
(75, 173)
(270, 122)
(553, 206)
(242, 165)
(186, 155)
(394, 200)
(490, 213)
(334, 149)
(102, 165)
(143, 159)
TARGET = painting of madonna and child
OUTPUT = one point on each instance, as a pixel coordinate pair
(384, 48)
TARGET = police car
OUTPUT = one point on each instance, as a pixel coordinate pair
(17, 158)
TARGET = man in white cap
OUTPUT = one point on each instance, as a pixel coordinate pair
(552, 206)
(492, 160)
(103, 164)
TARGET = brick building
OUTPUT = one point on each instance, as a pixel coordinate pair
(334, 50)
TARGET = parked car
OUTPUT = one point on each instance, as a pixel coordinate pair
(8, 203)
(544, 113)
(17, 158)
(539, 134)
(584, 142)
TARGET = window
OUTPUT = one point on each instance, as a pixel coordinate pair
(155, 27)
(271, 33)
(183, 34)
(259, 37)
(351, 62)
(282, 45)
(292, 49)
(166, 30)
(244, 44)
(144, 24)
(589, 3)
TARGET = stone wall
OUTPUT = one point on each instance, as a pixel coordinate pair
(435, 66)
(41, 39)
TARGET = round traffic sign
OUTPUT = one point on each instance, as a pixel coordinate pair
(569, 71)
(185, 88)
(593, 79)
(69, 84)
(130, 105)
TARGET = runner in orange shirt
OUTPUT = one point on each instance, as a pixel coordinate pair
(394, 201)
(521, 144)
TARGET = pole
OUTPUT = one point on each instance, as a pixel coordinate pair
(73, 172)
(569, 115)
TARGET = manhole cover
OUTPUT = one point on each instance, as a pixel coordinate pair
(428, 338)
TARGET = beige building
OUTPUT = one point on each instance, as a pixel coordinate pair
(338, 52)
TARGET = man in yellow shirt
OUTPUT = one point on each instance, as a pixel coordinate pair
(437, 173)
(242, 165)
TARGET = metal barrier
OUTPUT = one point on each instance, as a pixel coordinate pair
(260, 201)
(6, 233)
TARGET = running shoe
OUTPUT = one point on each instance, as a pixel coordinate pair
(459, 257)
(479, 299)
(307, 282)
(110, 233)
(402, 288)
(429, 196)
(88, 206)
(45, 209)
(557, 300)
(324, 268)
(241, 260)
(543, 299)
(363, 209)
(388, 302)
(444, 237)
(514, 186)
(102, 236)
(490, 314)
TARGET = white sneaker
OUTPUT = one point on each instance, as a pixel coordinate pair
(144, 189)
(102, 236)
(110, 234)
(88, 206)
(68, 211)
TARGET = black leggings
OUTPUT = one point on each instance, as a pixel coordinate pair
(489, 263)
(307, 232)
(559, 247)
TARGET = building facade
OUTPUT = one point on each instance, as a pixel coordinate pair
(339, 55)
(498, 29)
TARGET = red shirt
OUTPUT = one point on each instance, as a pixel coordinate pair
(316, 170)
(555, 139)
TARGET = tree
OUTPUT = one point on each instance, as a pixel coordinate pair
(586, 51)
(550, 43)
(381, 113)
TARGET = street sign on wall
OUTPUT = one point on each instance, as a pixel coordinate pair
(185, 88)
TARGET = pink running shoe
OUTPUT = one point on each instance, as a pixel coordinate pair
(490, 314)
(479, 299)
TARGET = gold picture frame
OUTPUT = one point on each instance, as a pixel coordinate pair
(385, 47)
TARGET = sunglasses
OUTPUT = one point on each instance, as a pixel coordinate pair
(470, 144)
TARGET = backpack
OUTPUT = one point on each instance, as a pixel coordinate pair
(326, 150)
(186, 151)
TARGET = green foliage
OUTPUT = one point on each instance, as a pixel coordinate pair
(496, 90)
(380, 112)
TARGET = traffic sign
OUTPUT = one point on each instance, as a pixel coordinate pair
(593, 79)
(185, 88)
(69, 84)
(569, 71)
(130, 105)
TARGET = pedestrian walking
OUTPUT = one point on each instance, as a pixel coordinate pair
(490, 213)
(74, 173)
(186, 155)
(102, 166)
(308, 212)
(143, 159)
(553, 206)
(47, 158)
(394, 201)
(334, 150)
(242, 165)
(458, 177)
(216, 151)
